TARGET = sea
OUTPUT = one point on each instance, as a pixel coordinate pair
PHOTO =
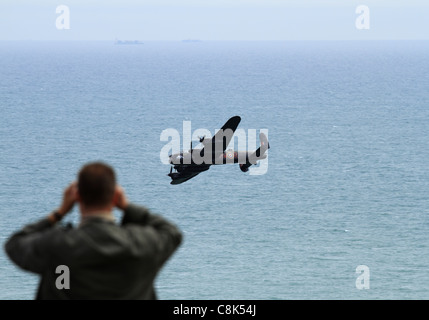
(340, 212)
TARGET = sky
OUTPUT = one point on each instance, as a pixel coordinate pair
(214, 20)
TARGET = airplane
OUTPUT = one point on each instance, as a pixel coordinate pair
(191, 163)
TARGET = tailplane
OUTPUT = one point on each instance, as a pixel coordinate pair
(259, 154)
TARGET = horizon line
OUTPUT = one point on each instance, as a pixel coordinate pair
(202, 40)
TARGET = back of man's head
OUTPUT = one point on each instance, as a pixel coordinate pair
(96, 184)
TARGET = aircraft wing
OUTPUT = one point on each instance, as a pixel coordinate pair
(186, 173)
(183, 179)
(221, 139)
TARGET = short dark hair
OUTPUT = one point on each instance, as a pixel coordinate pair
(96, 184)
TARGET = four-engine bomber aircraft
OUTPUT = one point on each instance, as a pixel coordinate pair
(189, 164)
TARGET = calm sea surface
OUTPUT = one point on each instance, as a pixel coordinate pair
(348, 169)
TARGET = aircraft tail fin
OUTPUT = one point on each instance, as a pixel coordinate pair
(258, 154)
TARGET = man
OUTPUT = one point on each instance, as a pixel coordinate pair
(103, 260)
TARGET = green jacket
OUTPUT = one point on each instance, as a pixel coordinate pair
(105, 260)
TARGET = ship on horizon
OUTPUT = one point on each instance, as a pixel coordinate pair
(120, 42)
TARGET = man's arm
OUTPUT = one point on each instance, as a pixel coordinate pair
(158, 236)
(28, 248)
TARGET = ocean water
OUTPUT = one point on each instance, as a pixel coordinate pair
(348, 170)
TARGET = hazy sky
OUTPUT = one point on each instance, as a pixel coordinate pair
(213, 19)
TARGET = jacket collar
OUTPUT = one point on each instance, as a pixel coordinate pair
(104, 216)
